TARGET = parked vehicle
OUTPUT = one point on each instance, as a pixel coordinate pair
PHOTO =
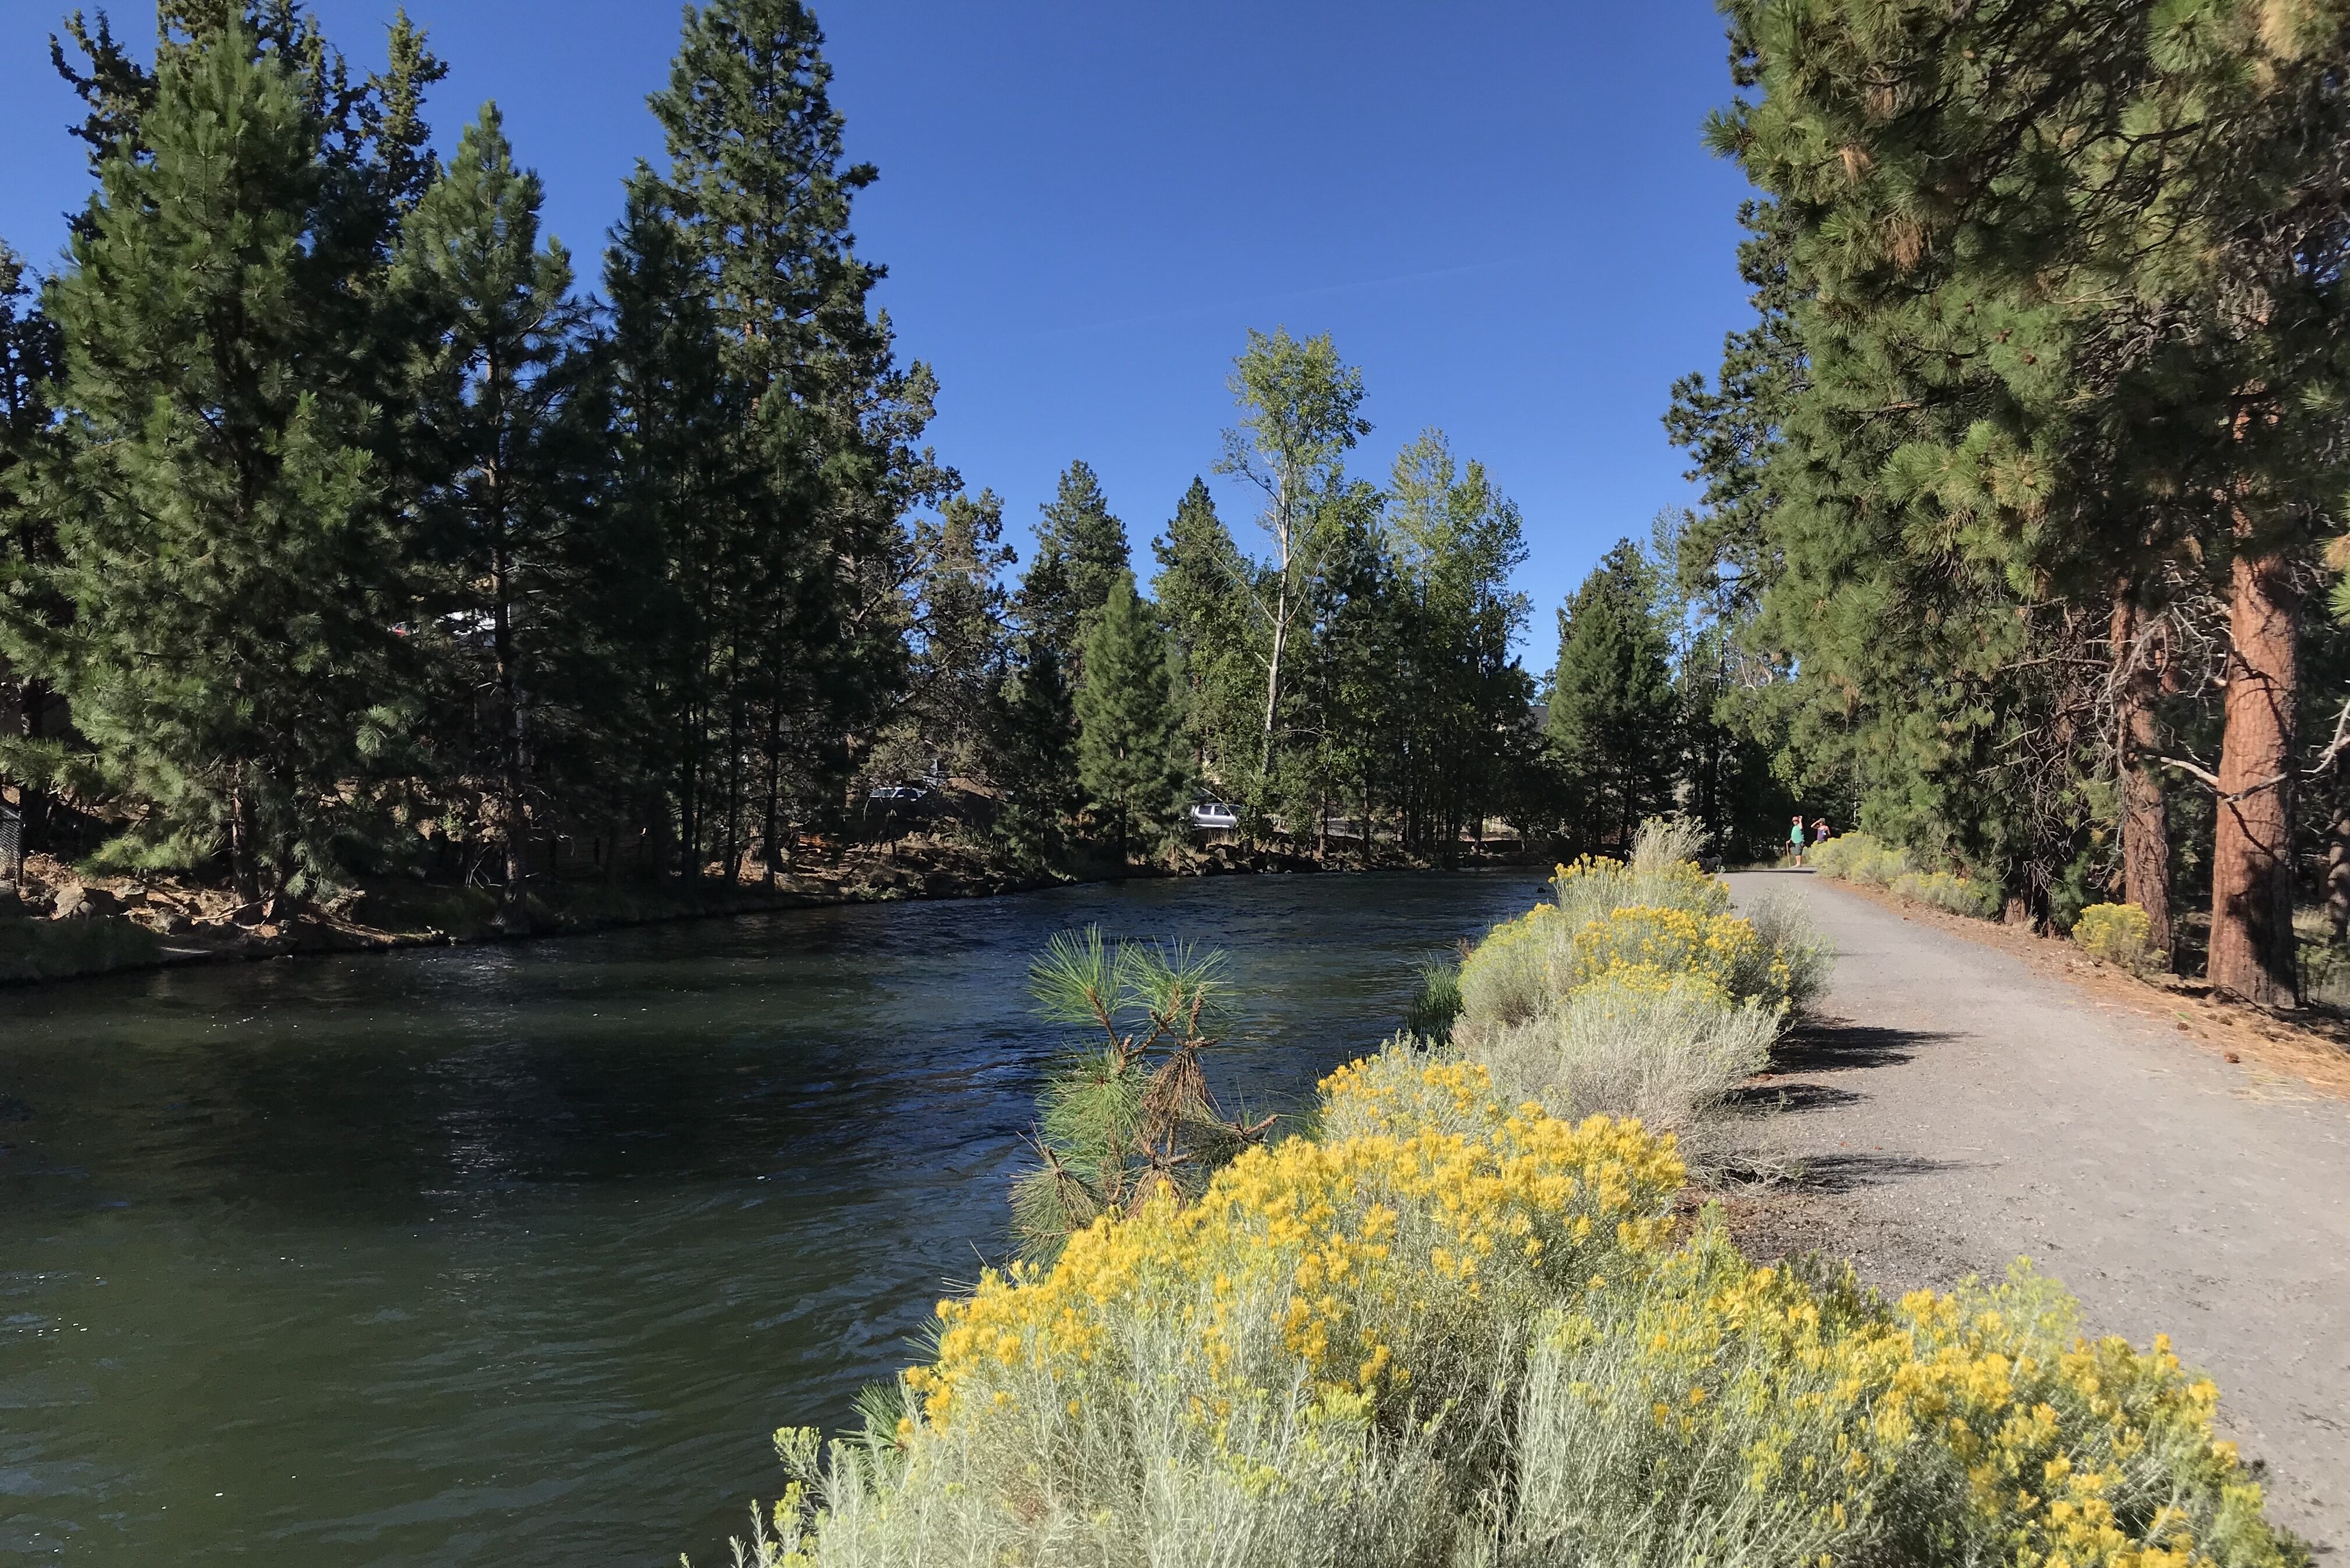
(900, 796)
(1215, 816)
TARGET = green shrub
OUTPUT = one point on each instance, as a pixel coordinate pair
(1969, 895)
(2118, 934)
(32, 949)
(1859, 858)
(2325, 962)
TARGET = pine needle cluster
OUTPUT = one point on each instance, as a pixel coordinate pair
(1129, 1116)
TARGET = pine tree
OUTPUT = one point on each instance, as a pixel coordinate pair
(30, 354)
(1129, 735)
(1612, 702)
(2064, 289)
(802, 599)
(961, 653)
(233, 657)
(1080, 551)
(1033, 756)
(509, 499)
(1203, 588)
(674, 502)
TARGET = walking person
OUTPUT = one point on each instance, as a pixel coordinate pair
(1796, 841)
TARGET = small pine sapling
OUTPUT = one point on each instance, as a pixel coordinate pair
(1130, 1117)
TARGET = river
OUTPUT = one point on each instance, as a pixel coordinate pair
(515, 1255)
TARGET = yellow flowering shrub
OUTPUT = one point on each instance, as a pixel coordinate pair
(2119, 934)
(1592, 886)
(1505, 978)
(1802, 1419)
(1369, 1249)
(1721, 950)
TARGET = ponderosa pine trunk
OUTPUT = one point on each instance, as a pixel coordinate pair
(2251, 857)
(2337, 857)
(2145, 817)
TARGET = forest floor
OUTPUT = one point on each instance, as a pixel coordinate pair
(1967, 1095)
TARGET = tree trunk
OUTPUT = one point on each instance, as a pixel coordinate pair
(2337, 859)
(511, 744)
(1272, 680)
(2251, 858)
(2146, 818)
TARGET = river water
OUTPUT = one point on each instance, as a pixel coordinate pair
(515, 1255)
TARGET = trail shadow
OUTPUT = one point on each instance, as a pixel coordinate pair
(1777, 1096)
(1849, 1172)
(1833, 1045)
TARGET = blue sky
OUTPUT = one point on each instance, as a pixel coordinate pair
(1502, 212)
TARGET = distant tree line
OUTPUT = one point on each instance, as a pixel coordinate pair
(346, 535)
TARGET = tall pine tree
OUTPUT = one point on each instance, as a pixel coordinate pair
(1130, 733)
(799, 609)
(1080, 550)
(225, 541)
(1612, 703)
(30, 354)
(508, 506)
(1202, 587)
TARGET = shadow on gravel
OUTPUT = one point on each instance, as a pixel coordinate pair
(1851, 1172)
(1791, 1097)
(1831, 1044)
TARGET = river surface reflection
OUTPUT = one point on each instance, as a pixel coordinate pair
(515, 1255)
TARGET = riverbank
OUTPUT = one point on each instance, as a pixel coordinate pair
(65, 926)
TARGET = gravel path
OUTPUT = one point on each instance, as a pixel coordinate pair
(1953, 1108)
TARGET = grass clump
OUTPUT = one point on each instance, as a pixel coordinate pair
(2118, 934)
(1437, 1002)
(34, 948)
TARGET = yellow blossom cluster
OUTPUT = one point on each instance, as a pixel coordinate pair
(1971, 1427)
(1592, 882)
(1360, 1247)
(1717, 949)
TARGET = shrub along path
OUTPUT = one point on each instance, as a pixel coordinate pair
(1953, 1108)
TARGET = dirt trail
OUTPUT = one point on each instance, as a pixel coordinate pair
(1953, 1109)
